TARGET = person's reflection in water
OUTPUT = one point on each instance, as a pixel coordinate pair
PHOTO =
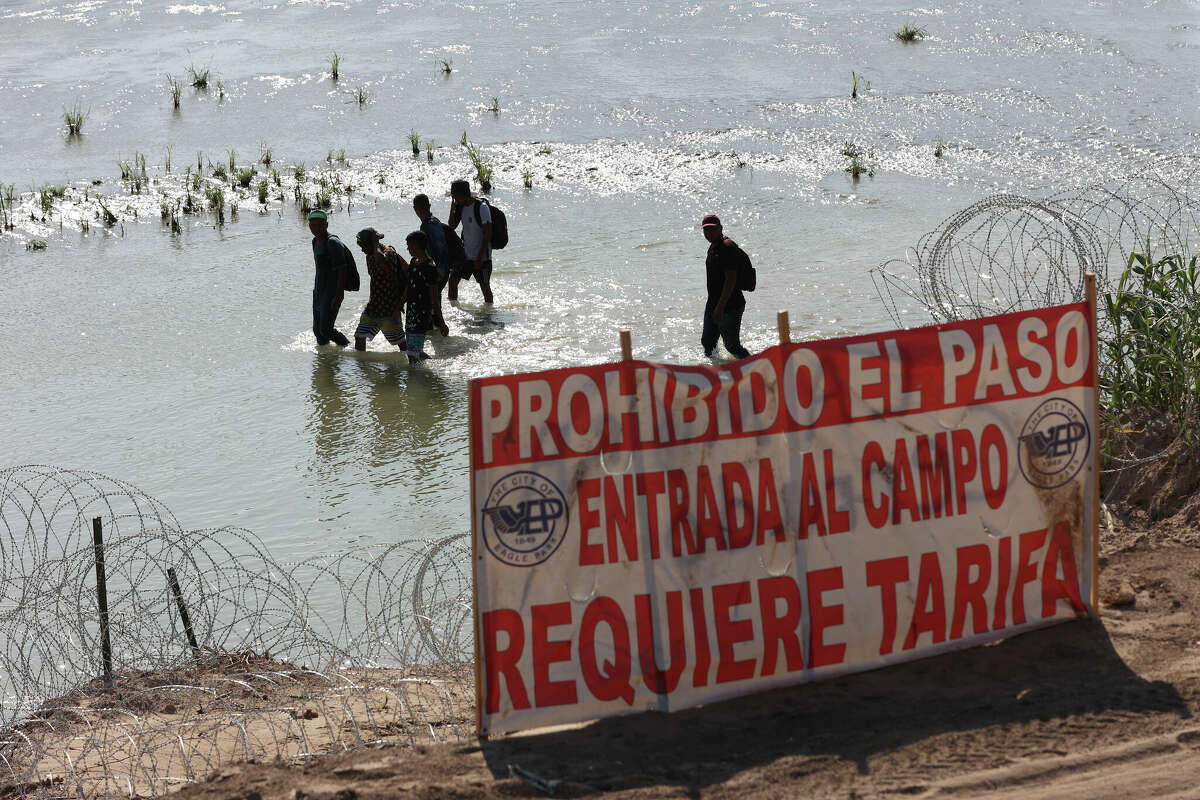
(411, 432)
(330, 419)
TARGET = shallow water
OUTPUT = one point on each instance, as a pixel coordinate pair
(184, 365)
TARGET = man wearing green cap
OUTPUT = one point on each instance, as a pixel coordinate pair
(334, 261)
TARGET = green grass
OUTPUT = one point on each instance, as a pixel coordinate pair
(1150, 356)
(215, 195)
(106, 214)
(175, 89)
(275, 177)
(335, 63)
(167, 158)
(265, 156)
(860, 160)
(429, 145)
(299, 172)
(939, 148)
(220, 91)
(37, 244)
(527, 179)
(483, 167)
(463, 141)
(199, 77)
(446, 66)
(133, 173)
(7, 197)
(74, 118)
(414, 139)
(263, 188)
(219, 172)
(858, 84)
(245, 177)
(545, 150)
(47, 195)
(910, 34)
(362, 96)
(232, 161)
(495, 106)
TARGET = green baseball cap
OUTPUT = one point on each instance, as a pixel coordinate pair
(317, 213)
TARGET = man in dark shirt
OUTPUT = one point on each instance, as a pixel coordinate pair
(386, 302)
(333, 260)
(723, 310)
(421, 296)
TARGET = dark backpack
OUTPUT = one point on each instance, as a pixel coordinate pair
(352, 282)
(499, 226)
(456, 253)
(747, 278)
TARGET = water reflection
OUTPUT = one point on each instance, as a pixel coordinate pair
(377, 422)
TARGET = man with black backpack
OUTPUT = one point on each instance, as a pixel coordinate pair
(729, 272)
(477, 231)
(336, 274)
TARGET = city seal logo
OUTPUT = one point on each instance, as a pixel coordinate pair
(1054, 444)
(524, 519)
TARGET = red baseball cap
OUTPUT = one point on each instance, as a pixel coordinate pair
(710, 220)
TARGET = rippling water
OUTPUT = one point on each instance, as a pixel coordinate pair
(183, 363)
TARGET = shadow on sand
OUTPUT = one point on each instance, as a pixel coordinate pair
(1032, 692)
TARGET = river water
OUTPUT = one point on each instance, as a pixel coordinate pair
(182, 362)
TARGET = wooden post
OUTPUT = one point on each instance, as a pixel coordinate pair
(1089, 284)
(785, 327)
(102, 600)
(184, 617)
(626, 346)
(475, 557)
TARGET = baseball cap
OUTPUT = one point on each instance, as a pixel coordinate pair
(710, 220)
(317, 213)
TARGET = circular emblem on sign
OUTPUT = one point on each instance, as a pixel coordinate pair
(1054, 443)
(524, 519)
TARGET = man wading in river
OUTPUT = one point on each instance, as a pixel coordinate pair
(723, 311)
(334, 263)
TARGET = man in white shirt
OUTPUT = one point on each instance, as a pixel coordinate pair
(476, 219)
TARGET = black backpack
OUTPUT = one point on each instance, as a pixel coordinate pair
(499, 226)
(454, 246)
(747, 278)
(352, 282)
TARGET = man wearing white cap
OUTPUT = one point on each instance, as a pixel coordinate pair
(726, 303)
(334, 262)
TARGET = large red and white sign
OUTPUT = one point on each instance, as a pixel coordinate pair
(654, 537)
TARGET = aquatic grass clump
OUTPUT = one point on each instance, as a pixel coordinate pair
(245, 177)
(7, 196)
(858, 84)
(483, 167)
(527, 178)
(219, 172)
(860, 161)
(167, 158)
(414, 139)
(263, 188)
(335, 63)
(1149, 362)
(910, 34)
(175, 89)
(220, 91)
(495, 106)
(199, 77)
(939, 148)
(37, 244)
(215, 195)
(74, 119)
(106, 214)
(265, 156)
(362, 96)
(47, 195)
(299, 172)
(429, 145)
(446, 66)
(275, 177)
(232, 161)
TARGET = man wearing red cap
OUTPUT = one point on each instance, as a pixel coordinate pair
(723, 311)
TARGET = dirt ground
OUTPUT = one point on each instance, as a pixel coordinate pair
(1087, 709)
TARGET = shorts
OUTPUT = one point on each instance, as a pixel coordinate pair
(391, 329)
(466, 270)
(415, 344)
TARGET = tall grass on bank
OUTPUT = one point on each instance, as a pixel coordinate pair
(74, 118)
(1150, 355)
